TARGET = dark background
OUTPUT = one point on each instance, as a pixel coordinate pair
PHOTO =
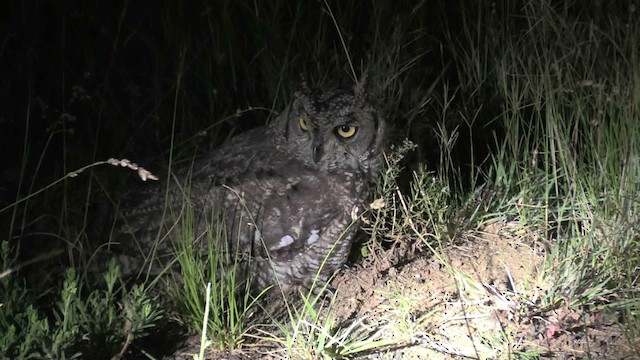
(84, 81)
(87, 80)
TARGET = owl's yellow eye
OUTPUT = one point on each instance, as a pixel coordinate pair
(346, 131)
(303, 124)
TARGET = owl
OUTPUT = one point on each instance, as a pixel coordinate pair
(286, 195)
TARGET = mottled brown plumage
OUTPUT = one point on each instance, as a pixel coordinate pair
(284, 193)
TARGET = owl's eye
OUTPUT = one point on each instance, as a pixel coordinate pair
(303, 124)
(346, 131)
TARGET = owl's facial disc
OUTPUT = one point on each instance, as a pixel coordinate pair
(317, 146)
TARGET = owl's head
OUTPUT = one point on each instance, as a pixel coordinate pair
(333, 129)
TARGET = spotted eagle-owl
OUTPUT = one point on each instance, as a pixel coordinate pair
(285, 193)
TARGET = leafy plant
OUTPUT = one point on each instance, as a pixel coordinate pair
(106, 320)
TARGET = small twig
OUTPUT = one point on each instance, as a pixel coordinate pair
(36, 259)
(142, 173)
(127, 341)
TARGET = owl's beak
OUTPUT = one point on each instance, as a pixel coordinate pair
(317, 147)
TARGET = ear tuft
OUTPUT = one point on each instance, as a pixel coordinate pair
(359, 90)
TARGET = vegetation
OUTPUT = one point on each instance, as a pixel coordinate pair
(515, 123)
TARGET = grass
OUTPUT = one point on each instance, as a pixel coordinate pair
(223, 310)
(569, 155)
(521, 126)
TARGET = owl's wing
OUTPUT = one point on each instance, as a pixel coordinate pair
(310, 208)
(142, 221)
(247, 156)
(147, 212)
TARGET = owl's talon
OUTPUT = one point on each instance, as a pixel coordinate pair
(350, 266)
(330, 291)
